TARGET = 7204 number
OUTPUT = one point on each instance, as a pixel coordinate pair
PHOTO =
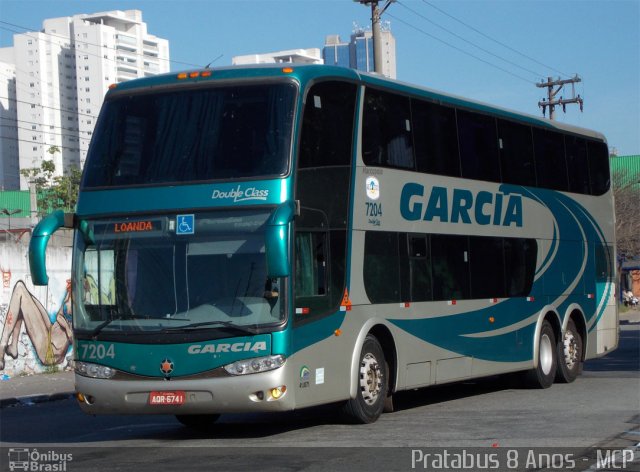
(374, 209)
(96, 351)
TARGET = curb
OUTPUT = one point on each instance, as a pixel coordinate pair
(34, 399)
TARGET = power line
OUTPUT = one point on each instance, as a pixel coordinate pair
(44, 144)
(469, 42)
(493, 39)
(43, 132)
(75, 130)
(460, 49)
(52, 108)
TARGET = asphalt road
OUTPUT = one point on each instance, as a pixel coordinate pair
(601, 408)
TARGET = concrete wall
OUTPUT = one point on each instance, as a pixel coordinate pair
(35, 322)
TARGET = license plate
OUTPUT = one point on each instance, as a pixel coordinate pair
(166, 398)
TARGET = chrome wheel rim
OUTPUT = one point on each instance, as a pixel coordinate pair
(570, 349)
(370, 379)
(546, 354)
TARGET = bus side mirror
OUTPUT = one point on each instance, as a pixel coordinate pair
(277, 239)
(38, 244)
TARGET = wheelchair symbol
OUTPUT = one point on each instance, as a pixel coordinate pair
(185, 224)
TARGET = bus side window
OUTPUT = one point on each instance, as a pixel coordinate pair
(435, 138)
(516, 153)
(327, 129)
(478, 146)
(551, 166)
(520, 256)
(311, 264)
(386, 130)
(420, 268)
(381, 269)
(450, 259)
(323, 176)
(487, 267)
(576, 150)
(604, 271)
(598, 167)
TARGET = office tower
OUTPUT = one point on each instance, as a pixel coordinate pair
(358, 52)
(336, 52)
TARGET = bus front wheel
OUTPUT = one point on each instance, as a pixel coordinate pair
(544, 373)
(372, 384)
(569, 354)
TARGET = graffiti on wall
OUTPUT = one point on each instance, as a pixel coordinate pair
(35, 322)
(635, 282)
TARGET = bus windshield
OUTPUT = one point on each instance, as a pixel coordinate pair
(175, 273)
(178, 136)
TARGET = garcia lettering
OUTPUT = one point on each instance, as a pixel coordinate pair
(227, 347)
(460, 206)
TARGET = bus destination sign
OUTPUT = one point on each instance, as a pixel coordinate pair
(127, 227)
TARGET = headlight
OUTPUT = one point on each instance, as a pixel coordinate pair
(95, 371)
(255, 365)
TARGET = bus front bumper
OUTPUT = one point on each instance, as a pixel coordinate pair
(261, 392)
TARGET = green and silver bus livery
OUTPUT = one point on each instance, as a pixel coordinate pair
(268, 239)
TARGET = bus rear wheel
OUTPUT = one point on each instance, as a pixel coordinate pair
(569, 354)
(544, 373)
(199, 422)
(372, 383)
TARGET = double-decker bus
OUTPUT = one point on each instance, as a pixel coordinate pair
(272, 238)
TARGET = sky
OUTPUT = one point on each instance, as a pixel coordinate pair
(494, 51)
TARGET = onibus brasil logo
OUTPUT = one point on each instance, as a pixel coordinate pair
(27, 459)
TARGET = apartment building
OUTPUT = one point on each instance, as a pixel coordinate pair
(62, 74)
(9, 169)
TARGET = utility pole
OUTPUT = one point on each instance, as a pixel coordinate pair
(376, 13)
(551, 101)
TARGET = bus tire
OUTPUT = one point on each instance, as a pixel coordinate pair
(569, 354)
(544, 373)
(372, 382)
(200, 422)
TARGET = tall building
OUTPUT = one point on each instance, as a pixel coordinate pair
(62, 74)
(336, 52)
(358, 52)
(9, 168)
(298, 56)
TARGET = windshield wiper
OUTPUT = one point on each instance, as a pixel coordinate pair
(226, 324)
(104, 324)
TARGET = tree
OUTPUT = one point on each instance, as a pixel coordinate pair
(626, 192)
(54, 192)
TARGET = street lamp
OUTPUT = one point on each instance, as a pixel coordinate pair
(8, 212)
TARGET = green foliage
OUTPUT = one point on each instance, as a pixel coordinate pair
(626, 192)
(54, 192)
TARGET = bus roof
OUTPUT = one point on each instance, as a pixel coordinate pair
(306, 72)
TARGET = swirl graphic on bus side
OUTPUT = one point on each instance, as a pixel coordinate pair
(576, 234)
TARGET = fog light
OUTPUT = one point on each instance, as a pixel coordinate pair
(277, 392)
(82, 398)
